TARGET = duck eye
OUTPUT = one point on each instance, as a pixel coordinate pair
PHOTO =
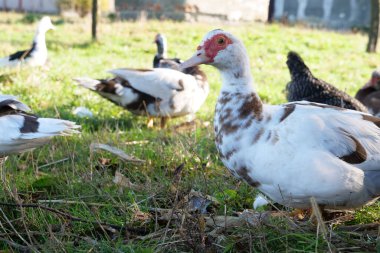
(220, 41)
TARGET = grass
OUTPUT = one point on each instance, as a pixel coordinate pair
(67, 170)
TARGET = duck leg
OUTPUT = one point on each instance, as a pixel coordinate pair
(163, 122)
(2, 169)
(301, 214)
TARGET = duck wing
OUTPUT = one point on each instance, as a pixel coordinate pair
(21, 131)
(160, 82)
(350, 135)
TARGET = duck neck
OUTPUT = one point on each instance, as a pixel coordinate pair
(161, 50)
(39, 40)
(237, 79)
(238, 98)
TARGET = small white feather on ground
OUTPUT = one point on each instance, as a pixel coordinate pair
(260, 201)
(83, 112)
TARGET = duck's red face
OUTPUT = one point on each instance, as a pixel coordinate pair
(215, 44)
(208, 50)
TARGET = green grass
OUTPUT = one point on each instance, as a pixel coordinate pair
(86, 178)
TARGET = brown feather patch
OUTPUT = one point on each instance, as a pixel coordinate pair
(243, 173)
(229, 128)
(287, 111)
(180, 83)
(258, 135)
(357, 156)
(251, 105)
(219, 139)
(373, 119)
(224, 99)
(230, 153)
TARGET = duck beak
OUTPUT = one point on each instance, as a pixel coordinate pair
(198, 58)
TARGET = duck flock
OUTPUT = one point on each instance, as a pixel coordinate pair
(322, 144)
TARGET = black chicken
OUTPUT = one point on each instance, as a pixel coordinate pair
(304, 86)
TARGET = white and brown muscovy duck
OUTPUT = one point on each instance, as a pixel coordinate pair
(21, 131)
(369, 95)
(160, 60)
(37, 54)
(294, 151)
(304, 86)
(159, 92)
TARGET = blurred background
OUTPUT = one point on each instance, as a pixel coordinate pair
(181, 161)
(335, 14)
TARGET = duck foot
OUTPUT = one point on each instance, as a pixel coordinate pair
(301, 214)
(185, 126)
(163, 122)
(337, 216)
(150, 123)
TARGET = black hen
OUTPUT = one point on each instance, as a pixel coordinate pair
(304, 86)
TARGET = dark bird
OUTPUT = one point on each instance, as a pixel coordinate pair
(369, 95)
(304, 86)
(160, 60)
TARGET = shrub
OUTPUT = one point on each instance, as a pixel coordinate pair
(83, 7)
(30, 18)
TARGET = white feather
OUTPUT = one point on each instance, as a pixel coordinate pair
(14, 140)
(87, 82)
(159, 82)
(4, 62)
(177, 94)
(260, 201)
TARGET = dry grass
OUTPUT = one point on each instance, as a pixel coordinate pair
(66, 197)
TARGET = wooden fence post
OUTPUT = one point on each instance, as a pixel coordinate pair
(374, 28)
(94, 18)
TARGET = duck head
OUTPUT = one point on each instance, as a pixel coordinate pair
(45, 25)
(227, 53)
(218, 48)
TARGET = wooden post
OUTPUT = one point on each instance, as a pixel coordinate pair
(374, 29)
(94, 18)
(20, 3)
(270, 11)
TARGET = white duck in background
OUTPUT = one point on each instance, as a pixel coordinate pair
(160, 92)
(36, 55)
(160, 60)
(21, 131)
(294, 151)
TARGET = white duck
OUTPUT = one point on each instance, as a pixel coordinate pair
(294, 151)
(37, 54)
(21, 131)
(160, 92)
